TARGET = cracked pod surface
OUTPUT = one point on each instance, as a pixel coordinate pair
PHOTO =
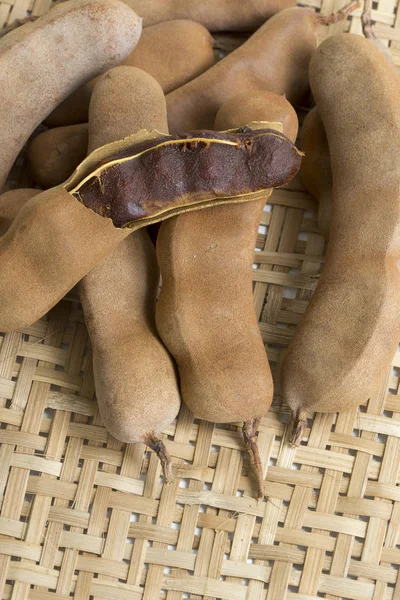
(188, 171)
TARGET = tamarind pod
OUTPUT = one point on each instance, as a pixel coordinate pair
(205, 313)
(350, 331)
(200, 168)
(173, 53)
(135, 379)
(275, 58)
(35, 75)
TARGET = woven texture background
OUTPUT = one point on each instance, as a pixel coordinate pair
(85, 516)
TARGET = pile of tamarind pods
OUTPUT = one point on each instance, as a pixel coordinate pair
(144, 127)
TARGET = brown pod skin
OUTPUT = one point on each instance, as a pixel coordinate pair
(205, 314)
(316, 171)
(126, 87)
(216, 15)
(135, 379)
(11, 203)
(350, 332)
(51, 245)
(35, 75)
(276, 58)
(173, 53)
(261, 106)
(54, 154)
(74, 110)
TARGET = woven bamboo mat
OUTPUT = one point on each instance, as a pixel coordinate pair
(85, 516)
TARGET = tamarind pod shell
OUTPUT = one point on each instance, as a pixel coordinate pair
(190, 171)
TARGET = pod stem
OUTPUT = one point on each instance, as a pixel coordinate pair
(338, 16)
(299, 426)
(158, 446)
(366, 21)
(250, 430)
(369, 32)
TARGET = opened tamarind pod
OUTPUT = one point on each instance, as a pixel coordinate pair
(216, 15)
(135, 379)
(54, 154)
(205, 313)
(349, 334)
(61, 234)
(35, 75)
(173, 53)
(316, 171)
(275, 58)
(188, 171)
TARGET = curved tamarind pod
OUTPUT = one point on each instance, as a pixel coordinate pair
(135, 379)
(216, 15)
(350, 332)
(205, 313)
(316, 171)
(35, 75)
(173, 53)
(275, 58)
(61, 234)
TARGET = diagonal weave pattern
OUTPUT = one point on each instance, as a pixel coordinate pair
(85, 516)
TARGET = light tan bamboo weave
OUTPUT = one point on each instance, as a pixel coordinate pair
(85, 516)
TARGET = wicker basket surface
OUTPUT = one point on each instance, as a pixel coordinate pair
(83, 515)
